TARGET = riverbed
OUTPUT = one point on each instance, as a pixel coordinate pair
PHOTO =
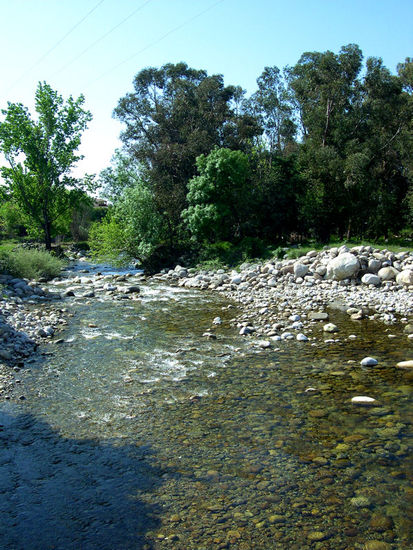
(138, 432)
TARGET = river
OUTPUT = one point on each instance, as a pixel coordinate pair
(139, 433)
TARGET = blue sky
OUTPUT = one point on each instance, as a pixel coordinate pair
(95, 47)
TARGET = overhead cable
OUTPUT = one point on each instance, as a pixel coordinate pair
(56, 45)
(102, 37)
(156, 41)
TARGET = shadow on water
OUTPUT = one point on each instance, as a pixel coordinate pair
(58, 493)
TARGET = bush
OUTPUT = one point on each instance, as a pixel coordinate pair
(30, 263)
(224, 253)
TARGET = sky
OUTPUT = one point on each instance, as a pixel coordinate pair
(96, 47)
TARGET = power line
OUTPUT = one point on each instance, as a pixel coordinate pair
(156, 41)
(102, 37)
(56, 45)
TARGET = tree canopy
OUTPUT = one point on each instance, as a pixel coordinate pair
(40, 155)
(175, 114)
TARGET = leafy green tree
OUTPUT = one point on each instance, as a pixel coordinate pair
(276, 186)
(132, 228)
(11, 219)
(41, 153)
(220, 197)
(175, 114)
(326, 89)
(385, 132)
(327, 92)
(125, 172)
(271, 103)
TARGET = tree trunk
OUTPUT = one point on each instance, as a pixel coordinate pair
(47, 235)
(348, 235)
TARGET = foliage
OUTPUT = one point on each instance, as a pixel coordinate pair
(272, 104)
(219, 197)
(356, 134)
(131, 229)
(223, 254)
(174, 115)
(30, 263)
(41, 154)
(322, 149)
(125, 172)
(11, 219)
(81, 218)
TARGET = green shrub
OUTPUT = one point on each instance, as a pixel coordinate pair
(30, 263)
(224, 253)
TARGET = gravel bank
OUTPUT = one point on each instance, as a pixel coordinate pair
(29, 314)
(281, 300)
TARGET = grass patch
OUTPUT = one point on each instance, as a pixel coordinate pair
(29, 263)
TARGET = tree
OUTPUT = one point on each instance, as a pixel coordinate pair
(271, 103)
(175, 114)
(125, 172)
(41, 154)
(219, 198)
(326, 89)
(132, 228)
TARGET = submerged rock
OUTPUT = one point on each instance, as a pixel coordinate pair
(363, 400)
(405, 364)
(369, 362)
(317, 316)
(330, 327)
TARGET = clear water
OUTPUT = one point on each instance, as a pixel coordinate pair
(140, 433)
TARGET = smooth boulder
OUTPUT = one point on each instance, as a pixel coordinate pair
(342, 267)
(405, 277)
(388, 273)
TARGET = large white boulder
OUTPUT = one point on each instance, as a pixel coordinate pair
(300, 270)
(343, 266)
(405, 277)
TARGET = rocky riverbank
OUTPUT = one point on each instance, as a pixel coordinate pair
(24, 324)
(286, 300)
(280, 300)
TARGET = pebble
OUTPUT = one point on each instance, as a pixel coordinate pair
(360, 502)
(330, 327)
(369, 362)
(316, 536)
(265, 344)
(363, 400)
(376, 545)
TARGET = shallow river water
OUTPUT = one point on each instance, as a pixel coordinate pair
(138, 433)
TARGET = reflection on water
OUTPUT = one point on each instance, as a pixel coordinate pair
(251, 449)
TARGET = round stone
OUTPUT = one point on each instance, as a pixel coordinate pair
(330, 327)
(264, 344)
(360, 502)
(369, 362)
(316, 536)
(370, 279)
(405, 364)
(376, 545)
(363, 400)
